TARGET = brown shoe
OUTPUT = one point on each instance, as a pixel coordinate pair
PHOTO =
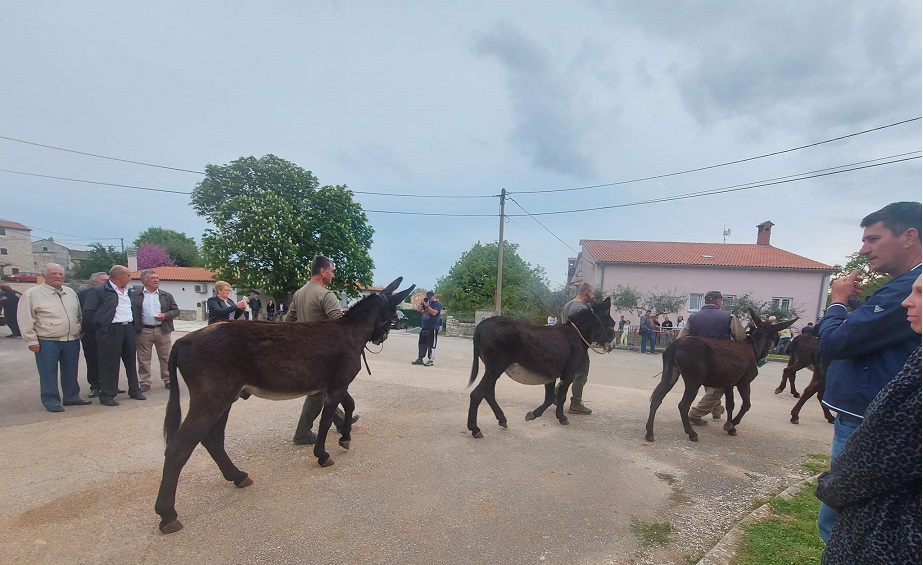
(145, 387)
(579, 408)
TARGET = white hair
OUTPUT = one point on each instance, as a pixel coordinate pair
(45, 268)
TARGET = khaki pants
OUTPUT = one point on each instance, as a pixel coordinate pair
(710, 403)
(148, 339)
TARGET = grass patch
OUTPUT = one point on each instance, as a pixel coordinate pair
(790, 536)
(667, 478)
(679, 496)
(650, 534)
(816, 463)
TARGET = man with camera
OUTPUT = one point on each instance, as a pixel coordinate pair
(429, 329)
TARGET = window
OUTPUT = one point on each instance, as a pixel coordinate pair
(3, 251)
(695, 301)
(44, 248)
(2, 231)
(15, 270)
(727, 303)
(782, 304)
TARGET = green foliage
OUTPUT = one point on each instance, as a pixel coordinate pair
(629, 298)
(871, 281)
(271, 217)
(742, 303)
(816, 463)
(650, 534)
(100, 259)
(181, 248)
(472, 283)
(790, 536)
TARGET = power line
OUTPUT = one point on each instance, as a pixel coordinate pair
(99, 156)
(95, 182)
(71, 235)
(543, 225)
(718, 165)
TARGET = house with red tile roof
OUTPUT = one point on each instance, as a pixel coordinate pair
(764, 272)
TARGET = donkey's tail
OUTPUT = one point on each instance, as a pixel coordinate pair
(174, 413)
(474, 363)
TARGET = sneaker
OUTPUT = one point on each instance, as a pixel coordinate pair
(697, 421)
(309, 439)
(429, 363)
(579, 408)
(419, 361)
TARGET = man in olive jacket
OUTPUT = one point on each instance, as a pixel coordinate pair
(153, 313)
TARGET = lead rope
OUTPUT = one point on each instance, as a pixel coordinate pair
(586, 342)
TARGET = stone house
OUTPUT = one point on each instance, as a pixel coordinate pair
(46, 251)
(15, 248)
(764, 272)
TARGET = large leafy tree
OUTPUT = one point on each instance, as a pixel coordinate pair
(472, 283)
(100, 259)
(629, 298)
(182, 249)
(271, 217)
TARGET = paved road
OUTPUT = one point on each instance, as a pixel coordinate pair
(415, 488)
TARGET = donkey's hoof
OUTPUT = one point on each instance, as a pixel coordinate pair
(831, 420)
(796, 395)
(325, 461)
(344, 444)
(503, 424)
(649, 436)
(728, 426)
(794, 420)
(243, 484)
(530, 416)
(477, 434)
(564, 421)
(693, 437)
(779, 390)
(732, 432)
(171, 527)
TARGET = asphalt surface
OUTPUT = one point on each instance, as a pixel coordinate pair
(415, 487)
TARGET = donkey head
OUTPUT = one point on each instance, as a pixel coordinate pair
(389, 302)
(604, 332)
(763, 332)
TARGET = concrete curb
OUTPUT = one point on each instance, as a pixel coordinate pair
(725, 551)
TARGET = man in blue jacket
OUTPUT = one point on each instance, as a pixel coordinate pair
(869, 346)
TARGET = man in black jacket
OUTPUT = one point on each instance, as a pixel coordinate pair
(108, 312)
(88, 337)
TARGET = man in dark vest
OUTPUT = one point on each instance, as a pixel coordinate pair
(712, 322)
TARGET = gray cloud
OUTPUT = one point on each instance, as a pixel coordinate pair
(547, 128)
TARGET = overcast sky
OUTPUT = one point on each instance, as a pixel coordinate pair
(455, 103)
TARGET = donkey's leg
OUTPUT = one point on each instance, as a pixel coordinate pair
(788, 375)
(214, 444)
(729, 405)
(744, 389)
(806, 395)
(477, 395)
(560, 400)
(660, 392)
(193, 430)
(685, 404)
(550, 394)
(331, 400)
(491, 398)
(349, 406)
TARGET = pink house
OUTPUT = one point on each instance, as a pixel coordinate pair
(765, 272)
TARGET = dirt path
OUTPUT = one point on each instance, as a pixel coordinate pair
(415, 487)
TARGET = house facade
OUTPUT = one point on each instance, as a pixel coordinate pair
(763, 272)
(46, 251)
(15, 249)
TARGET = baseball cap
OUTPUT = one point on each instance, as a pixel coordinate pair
(430, 294)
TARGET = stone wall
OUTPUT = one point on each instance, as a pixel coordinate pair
(454, 328)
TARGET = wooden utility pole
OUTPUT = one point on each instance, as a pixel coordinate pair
(499, 300)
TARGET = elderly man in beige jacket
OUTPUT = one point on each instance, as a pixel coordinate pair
(49, 319)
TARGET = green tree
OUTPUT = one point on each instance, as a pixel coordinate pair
(100, 259)
(472, 283)
(180, 247)
(871, 281)
(271, 217)
(742, 303)
(629, 298)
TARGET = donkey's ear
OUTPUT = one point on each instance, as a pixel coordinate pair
(390, 288)
(782, 325)
(605, 305)
(400, 296)
(755, 318)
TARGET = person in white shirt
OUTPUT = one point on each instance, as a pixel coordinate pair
(154, 311)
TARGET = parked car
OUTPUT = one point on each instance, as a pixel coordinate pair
(22, 277)
(399, 322)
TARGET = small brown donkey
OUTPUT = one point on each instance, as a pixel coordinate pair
(223, 360)
(714, 363)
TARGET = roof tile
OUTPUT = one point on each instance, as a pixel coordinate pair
(194, 274)
(711, 254)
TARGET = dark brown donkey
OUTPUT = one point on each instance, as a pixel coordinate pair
(800, 355)
(714, 363)
(817, 386)
(222, 361)
(534, 355)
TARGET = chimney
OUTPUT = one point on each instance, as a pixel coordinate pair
(132, 259)
(763, 233)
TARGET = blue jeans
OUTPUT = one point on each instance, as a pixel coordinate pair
(647, 337)
(50, 355)
(843, 427)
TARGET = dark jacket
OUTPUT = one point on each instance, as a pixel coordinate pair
(219, 311)
(710, 321)
(167, 306)
(874, 483)
(255, 305)
(99, 307)
(868, 346)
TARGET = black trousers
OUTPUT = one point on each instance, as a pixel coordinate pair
(426, 343)
(89, 353)
(114, 343)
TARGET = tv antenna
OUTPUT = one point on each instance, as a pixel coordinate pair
(727, 233)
